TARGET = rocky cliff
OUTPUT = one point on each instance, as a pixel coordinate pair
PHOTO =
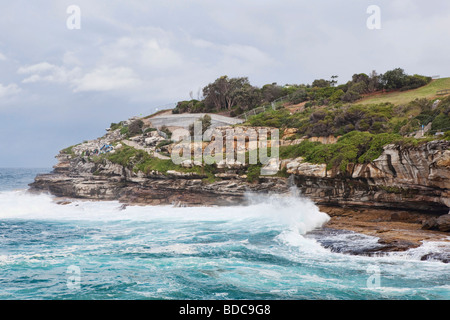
(407, 178)
(415, 178)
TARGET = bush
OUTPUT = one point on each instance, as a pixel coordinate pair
(351, 96)
(135, 128)
(337, 96)
(163, 143)
(166, 131)
(253, 173)
(415, 81)
(115, 126)
(441, 123)
(353, 147)
(149, 130)
(206, 123)
(298, 96)
(191, 106)
(124, 131)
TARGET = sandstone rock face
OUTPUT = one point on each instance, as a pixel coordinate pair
(299, 167)
(416, 178)
(441, 223)
(406, 178)
(78, 178)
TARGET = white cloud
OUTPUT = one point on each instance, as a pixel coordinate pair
(248, 54)
(46, 72)
(148, 49)
(9, 90)
(2, 57)
(104, 78)
(70, 58)
(36, 68)
(107, 79)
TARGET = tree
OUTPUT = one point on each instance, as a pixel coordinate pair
(374, 82)
(393, 79)
(248, 96)
(321, 83)
(270, 92)
(360, 77)
(222, 93)
(333, 81)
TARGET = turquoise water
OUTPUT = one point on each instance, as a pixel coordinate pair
(272, 249)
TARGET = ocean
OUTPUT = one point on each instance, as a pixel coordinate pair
(273, 248)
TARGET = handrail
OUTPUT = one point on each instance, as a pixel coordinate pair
(443, 92)
(257, 110)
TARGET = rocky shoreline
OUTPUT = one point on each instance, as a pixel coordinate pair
(402, 197)
(396, 230)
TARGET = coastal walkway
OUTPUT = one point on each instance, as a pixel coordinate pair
(185, 119)
(150, 151)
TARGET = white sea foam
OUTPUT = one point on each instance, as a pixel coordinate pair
(291, 215)
(296, 214)
(260, 247)
(429, 250)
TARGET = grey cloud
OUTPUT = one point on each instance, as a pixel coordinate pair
(130, 57)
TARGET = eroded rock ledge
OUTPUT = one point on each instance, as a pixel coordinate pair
(402, 178)
(402, 197)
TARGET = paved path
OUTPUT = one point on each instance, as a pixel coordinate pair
(148, 150)
(186, 119)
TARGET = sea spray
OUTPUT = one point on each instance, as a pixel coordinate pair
(295, 212)
(259, 251)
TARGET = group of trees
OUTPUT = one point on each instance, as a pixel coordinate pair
(337, 120)
(395, 79)
(233, 95)
(325, 92)
(236, 95)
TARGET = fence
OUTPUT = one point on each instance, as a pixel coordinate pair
(258, 110)
(253, 112)
(443, 92)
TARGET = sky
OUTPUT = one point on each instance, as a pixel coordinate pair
(61, 85)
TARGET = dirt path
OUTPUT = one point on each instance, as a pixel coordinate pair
(148, 150)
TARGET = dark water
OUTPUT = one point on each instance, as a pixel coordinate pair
(18, 178)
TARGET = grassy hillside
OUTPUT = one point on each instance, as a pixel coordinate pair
(403, 97)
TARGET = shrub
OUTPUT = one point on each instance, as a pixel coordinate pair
(191, 106)
(337, 96)
(253, 173)
(353, 147)
(415, 81)
(115, 126)
(166, 131)
(135, 128)
(124, 131)
(351, 96)
(298, 96)
(441, 123)
(163, 143)
(206, 123)
(149, 130)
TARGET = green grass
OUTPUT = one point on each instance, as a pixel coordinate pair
(69, 150)
(403, 97)
(156, 113)
(353, 147)
(139, 160)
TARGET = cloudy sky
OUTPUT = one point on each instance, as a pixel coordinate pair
(60, 86)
